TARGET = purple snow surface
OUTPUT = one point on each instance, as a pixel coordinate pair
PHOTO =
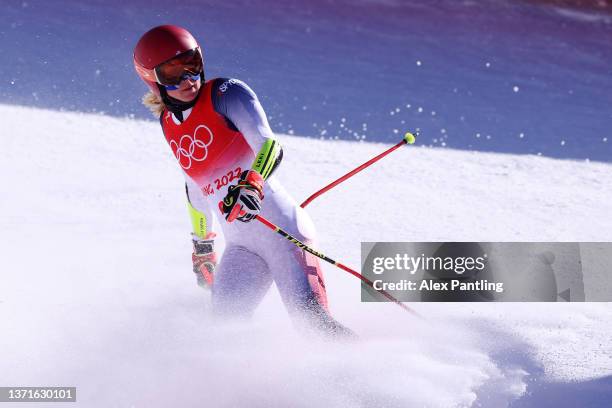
(491, 75)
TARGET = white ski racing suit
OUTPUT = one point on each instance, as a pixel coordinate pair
(225, 133)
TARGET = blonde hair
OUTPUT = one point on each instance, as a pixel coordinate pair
(154, 103)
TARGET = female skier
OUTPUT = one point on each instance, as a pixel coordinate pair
(221, 138)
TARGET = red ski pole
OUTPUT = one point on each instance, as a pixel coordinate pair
(408, 139)
(306, 248)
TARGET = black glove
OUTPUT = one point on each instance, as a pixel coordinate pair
(204, 259)
(243, 200)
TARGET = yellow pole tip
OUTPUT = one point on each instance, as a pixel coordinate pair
(409, 138)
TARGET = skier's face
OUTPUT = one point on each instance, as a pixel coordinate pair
(181, 75)
(187, 91)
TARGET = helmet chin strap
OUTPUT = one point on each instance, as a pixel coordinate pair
(174, 105)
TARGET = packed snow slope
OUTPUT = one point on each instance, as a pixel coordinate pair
(96, 288)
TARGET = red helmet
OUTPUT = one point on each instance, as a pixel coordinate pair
(158, 45)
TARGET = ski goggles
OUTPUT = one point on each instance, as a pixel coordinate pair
(184, 77)
(187, 65)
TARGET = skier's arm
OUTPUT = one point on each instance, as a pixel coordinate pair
(234, 100)
(204, 257)
(196, 206)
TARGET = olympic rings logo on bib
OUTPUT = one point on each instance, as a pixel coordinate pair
(190, 149)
